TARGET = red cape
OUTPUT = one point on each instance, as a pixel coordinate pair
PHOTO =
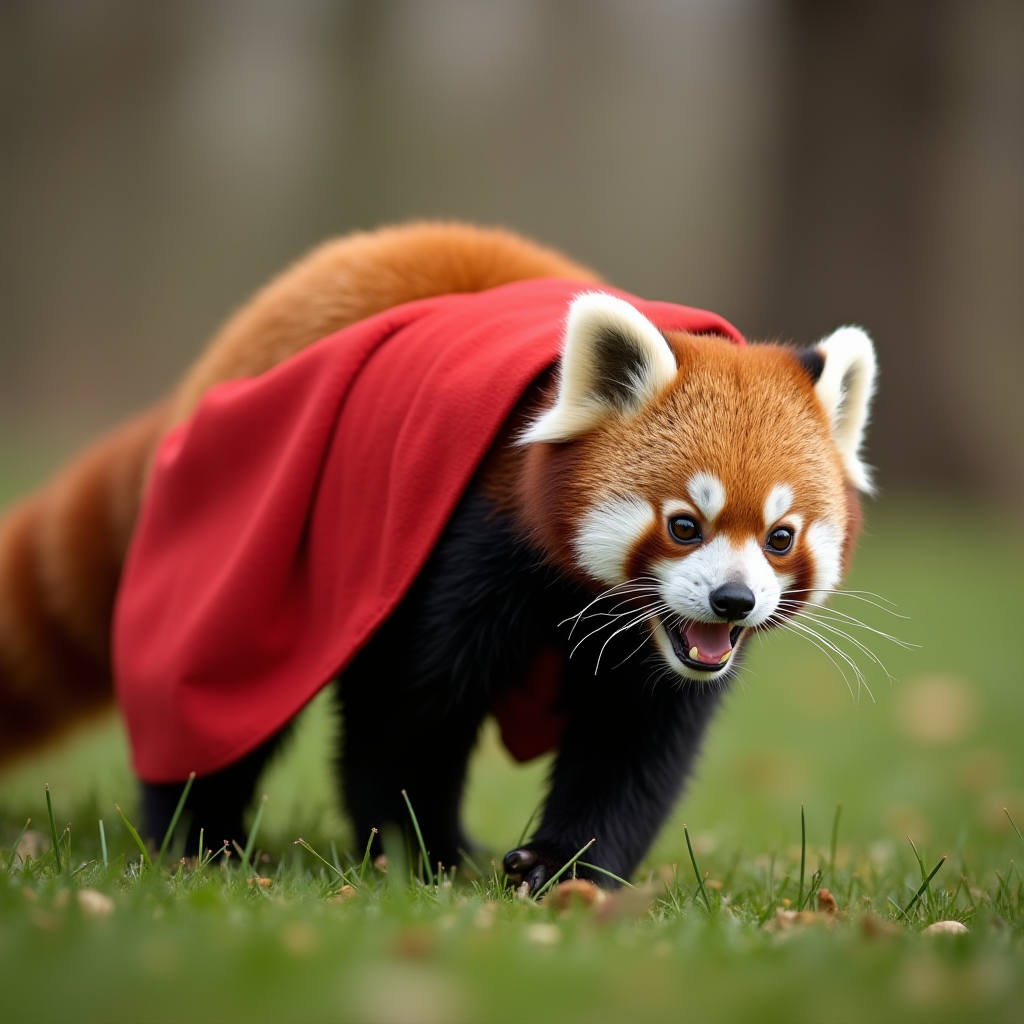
(289, 516)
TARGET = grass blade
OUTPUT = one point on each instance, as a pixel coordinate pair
(696, 871)
(605, 871)
(835, 843)
(103, 843)
(899, 909)
(17, 843)
(562, 870)
(465, 855)
(174, 817)
(366, 856)
(920, 863)
(1005, 811)
(53, 830)
(135, 835)
(529, 821)
(803, 858)
(250, 843)
(323, 860)
(924, 886)
(419, 837)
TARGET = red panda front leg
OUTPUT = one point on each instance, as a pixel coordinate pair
(624, 757)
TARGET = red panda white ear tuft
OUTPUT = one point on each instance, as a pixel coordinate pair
(845, 389)
(613, 361)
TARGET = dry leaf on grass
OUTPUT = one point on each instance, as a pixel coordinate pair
(875, 927)
(576, 892)
(791, 921)
(827, 902)
(344, 894)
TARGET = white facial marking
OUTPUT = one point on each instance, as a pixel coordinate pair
(583, 399)
(687, 583)
(825, 541)
(708, 494)
(845, 389)
(778, 503)
(607, 535)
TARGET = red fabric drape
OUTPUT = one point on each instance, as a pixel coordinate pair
(288, 517)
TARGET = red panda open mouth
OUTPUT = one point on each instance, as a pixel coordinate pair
(707, 646)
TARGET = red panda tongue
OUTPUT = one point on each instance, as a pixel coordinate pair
(711, 640)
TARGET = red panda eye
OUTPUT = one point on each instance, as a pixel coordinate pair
(684, 529)
(780, 540)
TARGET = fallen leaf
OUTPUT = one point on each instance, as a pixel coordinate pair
(344, 894)
(827, 902)
(576, 892)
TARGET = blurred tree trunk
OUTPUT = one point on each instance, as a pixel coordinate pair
(901, 208)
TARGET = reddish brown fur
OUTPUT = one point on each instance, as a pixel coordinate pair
(61, 549)
(60, 556)
(351, 278)
(746, 414)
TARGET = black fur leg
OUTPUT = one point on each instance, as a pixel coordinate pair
(385, 752)
(534, 868)
(622, 763)
(415, 696)
(215, 803)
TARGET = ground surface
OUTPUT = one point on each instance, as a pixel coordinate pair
(936, 757)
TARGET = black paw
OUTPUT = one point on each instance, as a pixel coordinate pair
(528, 867)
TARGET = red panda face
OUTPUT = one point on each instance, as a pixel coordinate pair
(708, 485)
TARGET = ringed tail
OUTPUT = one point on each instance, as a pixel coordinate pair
(61, 550)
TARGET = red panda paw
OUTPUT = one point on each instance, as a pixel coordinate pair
(526, 866)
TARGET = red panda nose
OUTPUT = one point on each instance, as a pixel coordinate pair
(732, 601)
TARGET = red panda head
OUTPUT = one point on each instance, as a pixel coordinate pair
(712, 485)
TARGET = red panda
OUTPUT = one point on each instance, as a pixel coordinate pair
(649, 502)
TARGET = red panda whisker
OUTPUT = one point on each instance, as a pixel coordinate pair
(857, 595)
(785, 624)
(832, 645)
(638, 584)
(843, 590)
(629, 602)
(634, 622)
(808, 630)
(648, 610)
(643, 643)
(833, 615)
(594, 632)
(853, 640)
(628, 608)
(828, 618)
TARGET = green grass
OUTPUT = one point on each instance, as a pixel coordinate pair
(934, 759)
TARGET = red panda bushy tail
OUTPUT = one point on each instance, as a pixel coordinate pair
(61, 549)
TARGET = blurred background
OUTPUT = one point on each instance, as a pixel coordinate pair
(791, 164)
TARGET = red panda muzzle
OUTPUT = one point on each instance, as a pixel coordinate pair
(704, 645)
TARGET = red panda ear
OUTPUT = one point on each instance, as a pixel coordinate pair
(613, 361)
(845, 387)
